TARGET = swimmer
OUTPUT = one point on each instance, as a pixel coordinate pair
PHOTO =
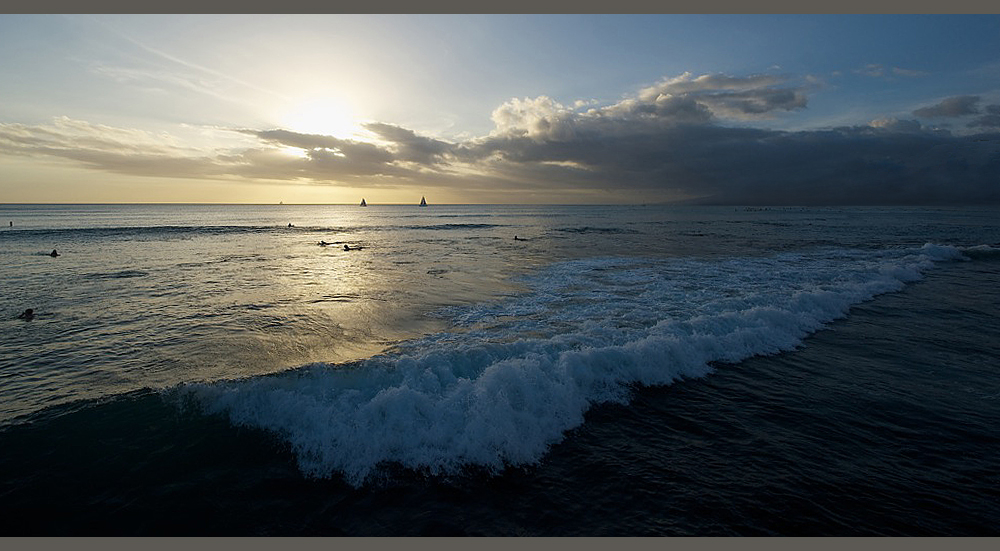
(324, 243)
(53, 254)
(27, 315)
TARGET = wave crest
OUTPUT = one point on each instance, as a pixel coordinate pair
(516, 375)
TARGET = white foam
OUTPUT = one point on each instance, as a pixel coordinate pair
(516, 375)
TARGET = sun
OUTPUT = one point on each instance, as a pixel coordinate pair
(327, 116)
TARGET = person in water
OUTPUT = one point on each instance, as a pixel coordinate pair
(27, 314)
(324, 243)
(53, 254)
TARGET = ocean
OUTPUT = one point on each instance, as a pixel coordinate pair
(614, 370)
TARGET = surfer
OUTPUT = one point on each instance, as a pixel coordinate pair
(27, 315)
(358, 248)
(290, 225)
(53, 254)
(516, 238)
(324, 243)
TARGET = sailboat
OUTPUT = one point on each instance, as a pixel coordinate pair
(363, 204)
(423, 202)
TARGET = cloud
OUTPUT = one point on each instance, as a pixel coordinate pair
(908, 72)
(125, 151)
(165, 81)
(685, 84)
(951, 107)
(668, 142)
(871, 70)
(410, 147)
(681, 100)
(990, 119)
(192, 76)
(728, 96)
(877, 70)
(325, 147)
(540, 117)
(890, 162)
(896, 125)
(325, 158)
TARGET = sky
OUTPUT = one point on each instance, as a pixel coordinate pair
(693, 109)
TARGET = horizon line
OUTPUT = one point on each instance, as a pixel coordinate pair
(661, 203)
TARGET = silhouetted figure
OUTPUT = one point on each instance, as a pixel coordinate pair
(516, 238)
(290, 225)
(53, 254)
(358, 248)
(324, 243)
(27, 315)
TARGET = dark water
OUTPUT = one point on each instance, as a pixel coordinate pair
(881, 423)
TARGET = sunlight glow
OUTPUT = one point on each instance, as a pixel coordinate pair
(327, 116)
(294, 151)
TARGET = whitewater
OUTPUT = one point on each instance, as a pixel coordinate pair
(615, 370)
(522, 372)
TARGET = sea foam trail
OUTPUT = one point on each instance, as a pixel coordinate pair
(515, 375)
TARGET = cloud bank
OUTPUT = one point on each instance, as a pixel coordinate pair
(683, 138)
(951, 107)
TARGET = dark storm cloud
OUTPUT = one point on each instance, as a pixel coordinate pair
(951, 107)
(670, 142)
(759, 101)
(851, 165)
(990, 120)
(408, 145)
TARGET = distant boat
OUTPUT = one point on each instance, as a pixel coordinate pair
(363, 204)
(423, 202)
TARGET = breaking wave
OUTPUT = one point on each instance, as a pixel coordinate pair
(515, 375)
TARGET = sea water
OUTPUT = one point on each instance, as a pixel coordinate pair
(446, 377)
